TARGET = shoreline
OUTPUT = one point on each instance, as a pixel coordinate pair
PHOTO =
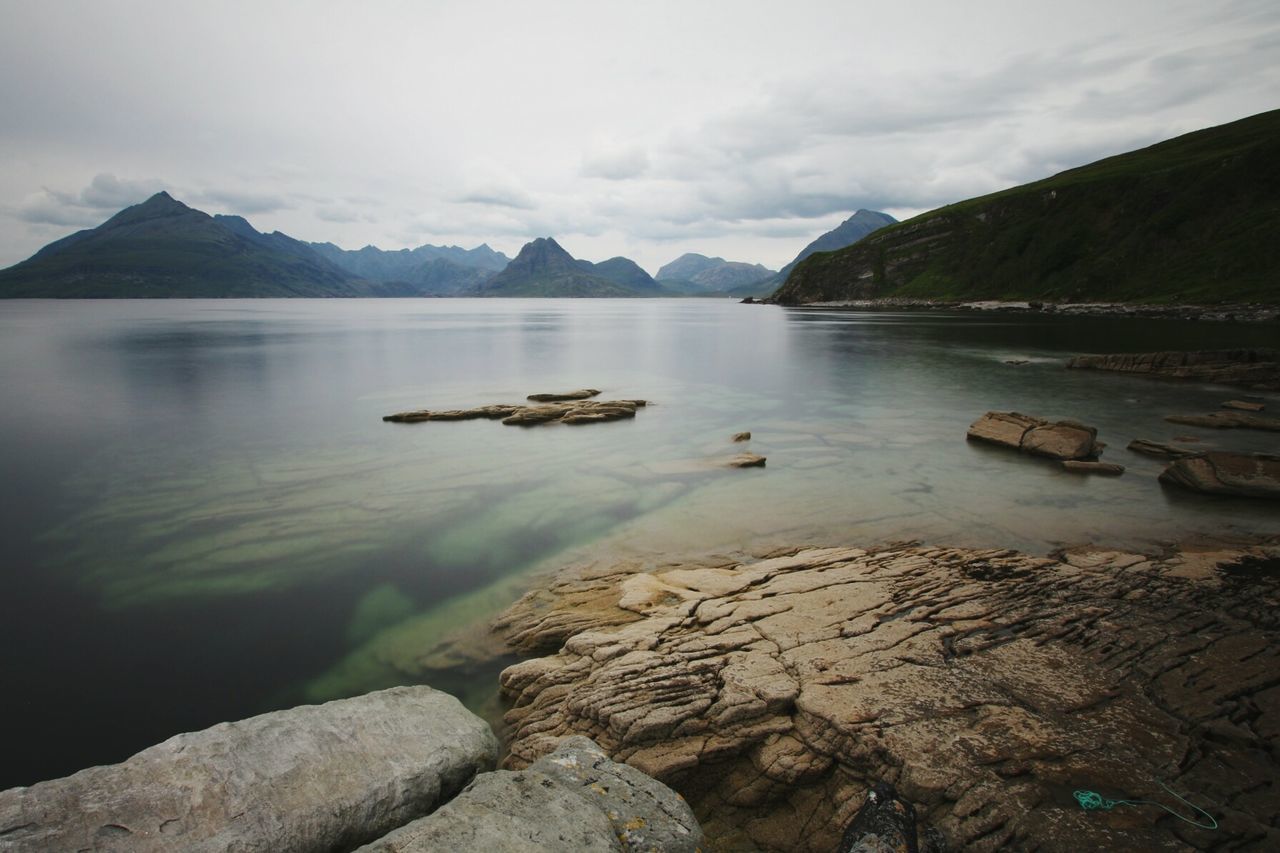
(1240, 313)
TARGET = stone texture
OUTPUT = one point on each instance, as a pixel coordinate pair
(574, 411)
(314, 778)
(741, 436)
(1245, 475)
(747, 460)
(984, 685)
(1060, 440)
(580, 394)
(1161, 450)
(574, 799)
(1251, 368)
(1228, 420)
(1077, 466)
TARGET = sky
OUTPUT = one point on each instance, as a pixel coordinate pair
(739, 129)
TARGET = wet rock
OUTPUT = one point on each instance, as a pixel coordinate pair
(885, 824)
(1252, 368)
(574, 411)
(1227, 420)
(985, 685)
(1160, 450)
(1244, 405)
(1061, 440)
(314, 778)
(747, 460)
(574, 799)
(741, 436)
(1220, 473)
(580, 394)
(1084, 467)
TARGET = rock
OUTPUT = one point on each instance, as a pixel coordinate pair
(1220, 473)
(1081, 467)
(1227, 420)
(1252, 368)
(1016, 362)
(314, 778)
(885, 824)
(1159, 450)
(747, 460)
(1003, 428)
(574, 411)
(580, 394)
(984, 685)
(1243, 405)
(1061, 440)
(574, 799)
(741, 436)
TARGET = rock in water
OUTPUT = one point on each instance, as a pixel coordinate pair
(580, 394)
(1246, 475)
(1061, 440)
(1228, 420)
(1003, 428)
(747, 460)
(740, 436)
(1160, 450)
(1079, 466)
(1244, 405)
(884, 824)
(575, 799)
(1253, 368)
(314, 778)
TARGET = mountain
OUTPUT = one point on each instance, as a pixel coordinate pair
(162, 248)
(853, 229)
(427, 270)
(694, 273)
(1193, 219)
(543, 268)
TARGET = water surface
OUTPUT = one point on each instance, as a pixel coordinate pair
(204, 516)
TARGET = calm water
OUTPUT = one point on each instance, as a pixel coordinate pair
(204, 516)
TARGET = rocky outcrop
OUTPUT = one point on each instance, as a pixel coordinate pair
(315, 778)
(985, 686)
(1220, 473)
(1061, 440)
(1227, 420)
(574, 799)
(747, 460)
(574, 411)
(1161, 450)
(580, 394)
(1250, 368)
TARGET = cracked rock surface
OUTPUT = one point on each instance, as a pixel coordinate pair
(986, 686)
(315, 778)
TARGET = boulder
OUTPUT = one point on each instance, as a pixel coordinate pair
(1227, 420)
(1003, 428)
(1078, 466)
(314, 778)
(1247, 475)
(747, 460)
(574, 799)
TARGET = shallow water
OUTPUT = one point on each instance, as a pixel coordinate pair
(205, 517)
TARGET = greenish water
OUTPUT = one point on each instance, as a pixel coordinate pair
(205, 517)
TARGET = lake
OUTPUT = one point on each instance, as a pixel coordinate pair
(204, 516)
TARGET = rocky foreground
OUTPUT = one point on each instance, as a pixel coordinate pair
(988, 686)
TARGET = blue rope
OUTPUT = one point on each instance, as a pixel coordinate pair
(1093, 801)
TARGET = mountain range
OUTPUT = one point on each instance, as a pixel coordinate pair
(1193, 219)
(544, 268)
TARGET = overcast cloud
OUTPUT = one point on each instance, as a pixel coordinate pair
(736, 129)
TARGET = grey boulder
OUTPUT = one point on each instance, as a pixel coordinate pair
(313, 778)
(575, 798)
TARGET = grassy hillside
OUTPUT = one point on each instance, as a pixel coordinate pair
(1194, 219)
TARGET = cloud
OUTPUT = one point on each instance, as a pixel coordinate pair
(104, 195)
(614, 162)
(244, 203)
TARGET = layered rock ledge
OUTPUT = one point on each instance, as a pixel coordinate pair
(1250, 368)
(1062, 440)
(574, 411)
(985, 685)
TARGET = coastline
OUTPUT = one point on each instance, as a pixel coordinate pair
(1240, 313)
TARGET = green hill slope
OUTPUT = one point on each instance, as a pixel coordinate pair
(162, 248)
(1194, 219)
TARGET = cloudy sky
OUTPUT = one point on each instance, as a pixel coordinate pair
(742, 129)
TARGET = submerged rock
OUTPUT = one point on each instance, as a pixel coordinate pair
(740, 436)
(1252, 368)
(573, 412)
(1160, 450)
(1078, 466)
(1227, 420)
(1244, 405)
(747, 460)
(1220, 473)
(984, 685)
(580, 394)
(1061, 440)
(314, 778)
(574, 799)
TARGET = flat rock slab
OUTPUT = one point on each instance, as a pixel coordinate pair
(1060, 440)
(984, 685)
(1077, 466)
(571, 412)
(1220, 473)
(1252, 368)
(747, 460)
(574, 799)
(580, 394)
(314, 778)
(1227, 420)
(1244, 405)
(1161, 450)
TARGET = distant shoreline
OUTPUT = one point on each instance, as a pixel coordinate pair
(1241, 313)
